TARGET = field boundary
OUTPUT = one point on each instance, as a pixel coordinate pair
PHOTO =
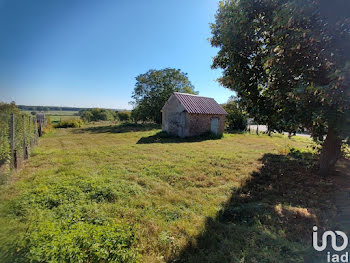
(18, 135)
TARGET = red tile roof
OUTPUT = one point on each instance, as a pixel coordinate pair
(199, 104)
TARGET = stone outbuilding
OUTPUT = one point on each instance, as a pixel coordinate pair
(41, 122)
(40, 117)
(186, 115)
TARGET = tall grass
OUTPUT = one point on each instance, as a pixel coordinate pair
(69, 123)
(125, 194)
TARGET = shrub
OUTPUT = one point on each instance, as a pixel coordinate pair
(236, 119)
(69, 123)
(48, 128)
(138, 114)
(98, 115)
(124, 115)
(8, 108)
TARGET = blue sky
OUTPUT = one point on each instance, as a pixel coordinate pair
(87, 53)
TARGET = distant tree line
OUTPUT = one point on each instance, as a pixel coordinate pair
(53, 108)
(48, 108)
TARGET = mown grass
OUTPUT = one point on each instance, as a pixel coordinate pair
(127, 193)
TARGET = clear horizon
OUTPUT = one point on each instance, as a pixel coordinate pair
(88, 53)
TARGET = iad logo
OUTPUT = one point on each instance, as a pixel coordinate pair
(333, 235)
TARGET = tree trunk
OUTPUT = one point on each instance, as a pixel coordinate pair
(330, 152)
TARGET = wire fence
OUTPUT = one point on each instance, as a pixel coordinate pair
(18, 135)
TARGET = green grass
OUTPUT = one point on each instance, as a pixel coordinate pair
(56, 116)
(128, 193)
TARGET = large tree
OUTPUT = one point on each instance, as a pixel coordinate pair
(289, 62)
(154, 88)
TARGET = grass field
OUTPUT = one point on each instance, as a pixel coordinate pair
(127, 193)
(56, 116)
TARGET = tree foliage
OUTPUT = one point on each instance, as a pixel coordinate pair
(98, 115)
(236, 119)
(123, 115)
(154, 88)
(289, 63)
(8, 108)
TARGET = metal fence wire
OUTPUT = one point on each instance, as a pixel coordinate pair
(18, 135)
(4, 138)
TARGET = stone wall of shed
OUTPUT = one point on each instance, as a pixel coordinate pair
(171, 116)
(200, 123)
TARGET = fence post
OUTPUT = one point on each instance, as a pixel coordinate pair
(25, 148)
(13, 161)
(36, 130)
(40, 129)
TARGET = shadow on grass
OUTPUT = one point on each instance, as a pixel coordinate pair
(119, 128)
(270, 218)
(236, 131)
(163, 137)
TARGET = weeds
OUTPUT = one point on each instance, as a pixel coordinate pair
(70, 123)
(128, 193)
